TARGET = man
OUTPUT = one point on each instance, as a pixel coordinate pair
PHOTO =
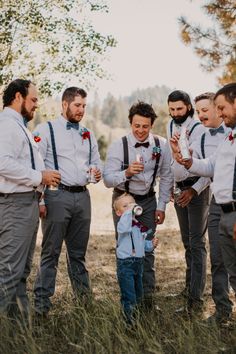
(21, 172)
(70, 148)
(221, 165)
(193, 203)
(204, 147)
(132, 165)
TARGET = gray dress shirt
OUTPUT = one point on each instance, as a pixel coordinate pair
(114, 174)
(72, 151)
(16, 173)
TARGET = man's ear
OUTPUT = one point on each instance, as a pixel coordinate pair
(64, 105)
(18, 98)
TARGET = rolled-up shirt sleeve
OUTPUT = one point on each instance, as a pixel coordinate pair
(113, 174)
(14, 161)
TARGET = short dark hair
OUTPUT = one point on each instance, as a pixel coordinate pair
(205, 96)
(228, 91)
(179, 95)
(18, 85)
(71, 92)
(143, 109)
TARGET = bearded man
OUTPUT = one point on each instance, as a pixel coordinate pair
(22, 177)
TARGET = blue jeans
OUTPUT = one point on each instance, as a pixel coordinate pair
(129, 274)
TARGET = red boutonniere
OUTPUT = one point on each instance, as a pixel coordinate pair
(85, 134)
(232, 137)
(156, 152)
(37, 138)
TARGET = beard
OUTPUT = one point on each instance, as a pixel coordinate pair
(26, 114)
(72, 117)
(180, 119)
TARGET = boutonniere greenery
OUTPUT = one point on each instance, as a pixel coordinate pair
(232, 137)
(84, 133)
(156, 152)
(36, 137)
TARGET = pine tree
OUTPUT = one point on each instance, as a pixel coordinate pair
(215, 46)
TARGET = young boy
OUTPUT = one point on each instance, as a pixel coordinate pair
(130, 251)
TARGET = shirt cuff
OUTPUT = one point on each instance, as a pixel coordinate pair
(37, 178)
(161, 206)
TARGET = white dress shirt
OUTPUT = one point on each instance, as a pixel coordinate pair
(114, 174)
(180, 173)
(72, 151)
(222, 165)
(16, 173)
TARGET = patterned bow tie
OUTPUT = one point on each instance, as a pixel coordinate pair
(214, 131)
(70, 125)
(146, 145)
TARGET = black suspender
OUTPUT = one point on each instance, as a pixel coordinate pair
(203, 145)
(193, 127)
(190, 132)
(30, 147)
(54, 151)
(157, 142)
(234, 184)
(126, 161)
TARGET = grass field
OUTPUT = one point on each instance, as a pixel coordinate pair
(96, 326)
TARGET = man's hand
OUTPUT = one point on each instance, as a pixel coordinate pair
(97, 175)
(42, 211)
(234, 232)
(177, 154)
(51, 178)
(185, 197)
(159, 216)
(134, 169)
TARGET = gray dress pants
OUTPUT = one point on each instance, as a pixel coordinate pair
(68, 218)
(193, 224)
(148, 219)
(220, 279)
(19, 218)
(228, 245)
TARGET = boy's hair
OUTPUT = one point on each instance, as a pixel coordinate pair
(116, 201)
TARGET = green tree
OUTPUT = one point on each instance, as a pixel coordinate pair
(215, 46)
(51, 42)
(102, 147)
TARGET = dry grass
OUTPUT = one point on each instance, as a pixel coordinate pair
(97, 327)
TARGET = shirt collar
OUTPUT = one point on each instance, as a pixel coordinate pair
(12, 113)
(133, 140)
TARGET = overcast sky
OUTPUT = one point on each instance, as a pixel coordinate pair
(149, 50)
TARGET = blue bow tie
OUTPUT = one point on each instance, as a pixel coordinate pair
(70, 125)
(214, 131)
